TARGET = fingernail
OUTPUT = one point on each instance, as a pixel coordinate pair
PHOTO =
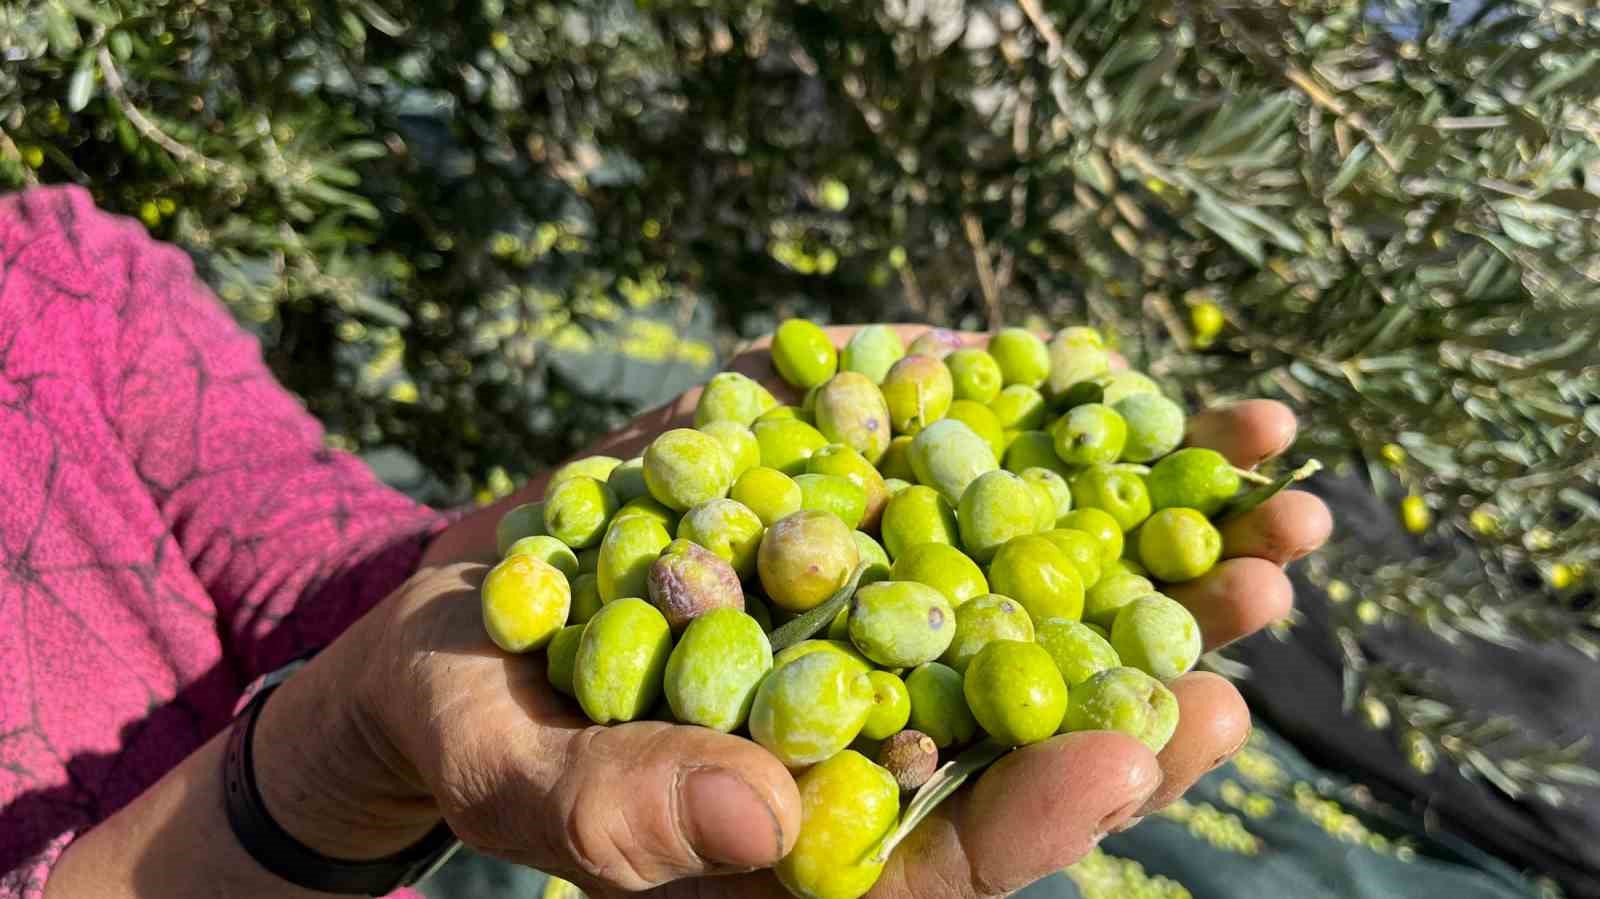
(1110, 822)
(1223, 759)
(1127, 825)
(726, 821)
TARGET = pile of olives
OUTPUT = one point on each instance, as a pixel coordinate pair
(1011, 510)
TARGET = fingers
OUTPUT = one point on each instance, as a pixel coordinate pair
(1285, 528)
(1235, 599)
(1042, 808)
(1247, 433)
(1037, 810)
(1034, 812)
(752, 885)
(622, 808)
(637, 805)
(1213, 723)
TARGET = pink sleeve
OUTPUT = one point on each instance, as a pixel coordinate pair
(171, 523)
(292, 540)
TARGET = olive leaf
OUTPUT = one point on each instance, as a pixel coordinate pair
(1248, 500)
(818, 618)
(944, 782)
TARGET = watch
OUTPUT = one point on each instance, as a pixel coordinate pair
(279, 852)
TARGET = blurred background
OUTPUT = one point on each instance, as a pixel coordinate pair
(473, 236)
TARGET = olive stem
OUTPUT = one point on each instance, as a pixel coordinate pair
(939, 787)
(1250, 499)
(1254, 477)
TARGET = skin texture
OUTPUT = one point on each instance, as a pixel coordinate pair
(577, 510)
(836, 495)
(871, 553)
(1197, 478)
(686, 467)
(730, 396)
(627, 480)
(621, 659)
(429, 718)
(983, 422)
(1126, 700)
(938, 706)
(598, 467)
(1078, 651)
(1031, 570)
(787, 443)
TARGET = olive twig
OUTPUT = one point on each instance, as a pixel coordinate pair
(1254, 477)
(1248, 500)
(944, 782)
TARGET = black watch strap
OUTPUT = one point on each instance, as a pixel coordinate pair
(280, 853)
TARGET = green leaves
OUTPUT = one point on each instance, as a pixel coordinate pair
(814, 621)
(1240, 132)
(1244, 227)
(505, 205)
(1254, 497)
(1565, 73)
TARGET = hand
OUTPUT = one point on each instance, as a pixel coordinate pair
(520, 773)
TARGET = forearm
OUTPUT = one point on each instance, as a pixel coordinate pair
(172, 841)
(322, 779)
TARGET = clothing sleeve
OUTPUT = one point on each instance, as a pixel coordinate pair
(292, 540)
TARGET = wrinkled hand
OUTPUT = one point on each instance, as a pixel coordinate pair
(521, 774)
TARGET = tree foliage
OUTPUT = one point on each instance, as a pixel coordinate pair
(458, 227)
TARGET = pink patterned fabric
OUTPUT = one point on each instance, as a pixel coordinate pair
(170, 522)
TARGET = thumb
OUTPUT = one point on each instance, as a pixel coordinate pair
(640, 804)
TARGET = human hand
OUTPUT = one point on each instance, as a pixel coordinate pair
(521, 774)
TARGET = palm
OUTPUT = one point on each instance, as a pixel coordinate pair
(1035, 811)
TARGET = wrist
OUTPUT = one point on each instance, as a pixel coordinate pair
(323, 774)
